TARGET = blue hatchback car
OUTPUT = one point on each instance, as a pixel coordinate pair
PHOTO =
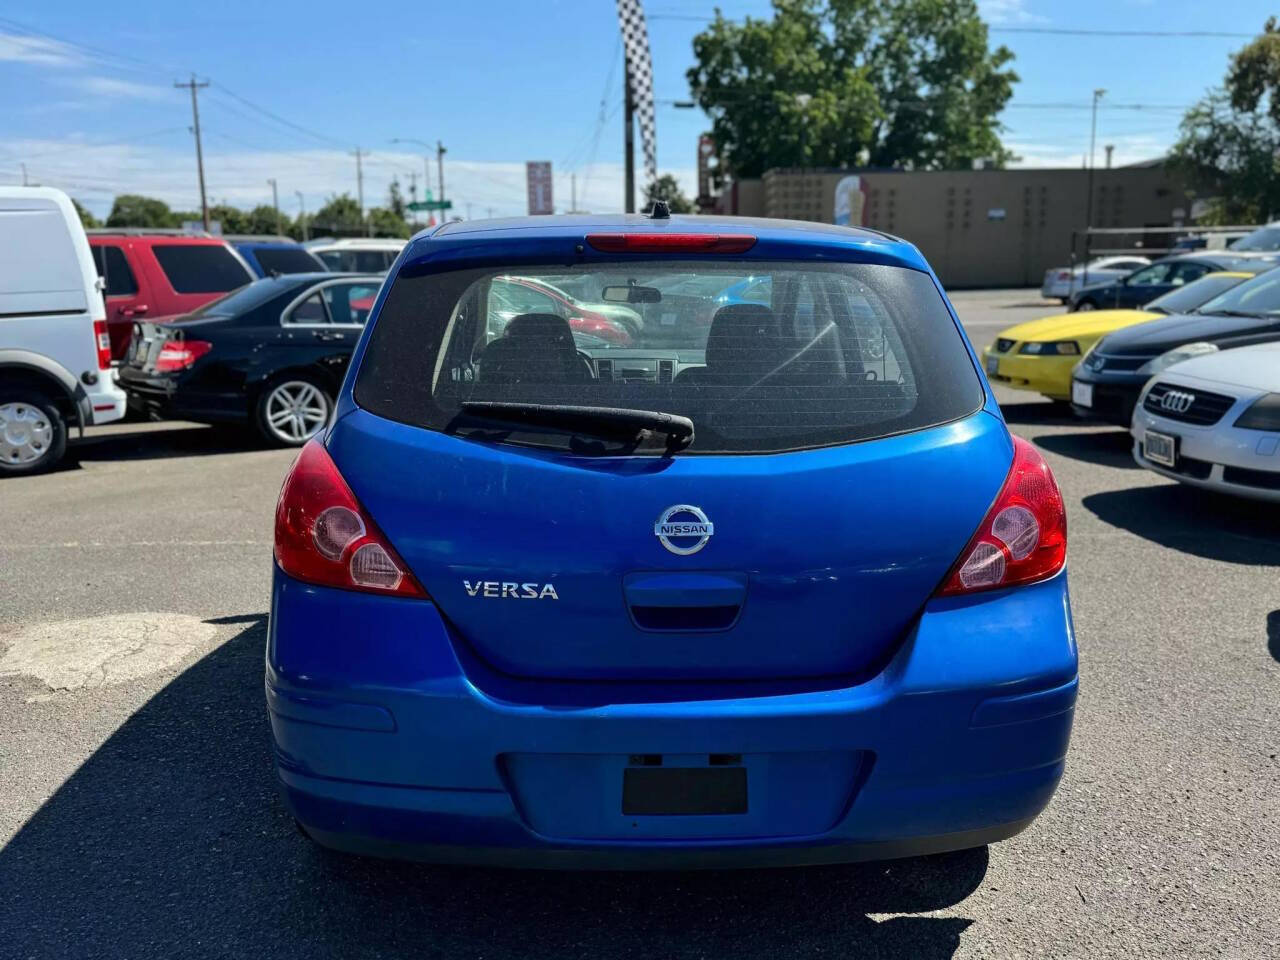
(792, 595)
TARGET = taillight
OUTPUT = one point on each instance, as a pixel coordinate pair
(180, 354)
(102, 340)
(323, 535)
(671, 242)
(1023, 537)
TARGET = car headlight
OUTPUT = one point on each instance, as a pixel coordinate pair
(1177, 355)
(1062, 348)
(1263, 414)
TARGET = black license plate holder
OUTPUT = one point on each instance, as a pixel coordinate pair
(684, 791)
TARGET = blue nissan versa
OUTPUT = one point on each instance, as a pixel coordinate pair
(790, 594)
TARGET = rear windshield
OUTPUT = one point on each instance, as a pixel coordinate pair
(792, 355)
(287, 260)
(1187, 298)
(200, 268)
(358, 261)
(1264, 239)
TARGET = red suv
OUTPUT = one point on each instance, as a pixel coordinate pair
(151, 274)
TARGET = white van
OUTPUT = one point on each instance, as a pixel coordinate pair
(55, 355)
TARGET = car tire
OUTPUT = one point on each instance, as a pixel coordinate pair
(1085, 305)
(292, 409)
(33, 433)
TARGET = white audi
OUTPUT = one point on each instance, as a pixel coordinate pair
(1214, 421)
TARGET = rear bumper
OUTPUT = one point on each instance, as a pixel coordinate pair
(165, 398)
(387, 744)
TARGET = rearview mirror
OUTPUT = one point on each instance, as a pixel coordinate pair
(631, 294)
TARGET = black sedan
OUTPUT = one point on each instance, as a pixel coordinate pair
(271, 354)
(1107, 382)
(1146, 283)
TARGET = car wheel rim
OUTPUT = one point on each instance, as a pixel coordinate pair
(296, 411)
(1085, 306)
(25, 433)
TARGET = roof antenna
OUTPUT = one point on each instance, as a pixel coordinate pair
(660, 211)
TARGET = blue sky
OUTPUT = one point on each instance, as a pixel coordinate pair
(89, 103)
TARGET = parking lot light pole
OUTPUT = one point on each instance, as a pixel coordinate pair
(426, 160)
(1088, 207)
(275, 202)
(302, 214)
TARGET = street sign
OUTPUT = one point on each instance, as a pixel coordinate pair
(430, 205)
(537, 175)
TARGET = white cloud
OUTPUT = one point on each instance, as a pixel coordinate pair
(1130, 149)
(23, 48)
(120, 89)
(95, 173)
(1008, 12)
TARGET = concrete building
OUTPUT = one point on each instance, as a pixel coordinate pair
(978, 228)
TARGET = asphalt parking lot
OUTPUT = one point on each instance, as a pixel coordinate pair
(138, 815)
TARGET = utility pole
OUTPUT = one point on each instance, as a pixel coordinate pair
(275, 202)
(360, 189)
(24, 173)
(573, 193)
(488, 212)
(302, 215)
(1109, 147)
(440, 152)
(468, 210)
(195, 121)
(413, 193)
(1088, 216)
(628, 143)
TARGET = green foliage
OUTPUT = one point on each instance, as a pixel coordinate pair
(666, 188)
(339, 217)
(87, 219)
(395, 199)
(892, 83)
(233, 219)
(132, 210)
(1255, 74)
(262, 219)
(1232, 154)
(387, 223)
(1229, 142)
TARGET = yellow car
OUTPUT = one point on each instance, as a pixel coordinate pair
(1040, 354)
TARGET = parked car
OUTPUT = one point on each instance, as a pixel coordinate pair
(356, 254)
(271, 354)
(1263, 240)
(610, 321)
(55, 353)
(1040, 355)
(160, 273)
(776, 609)
(1107, 382)
(268, 256)
(1214, 421)
(1145, 284)
(1061, 282)
(1218, 240)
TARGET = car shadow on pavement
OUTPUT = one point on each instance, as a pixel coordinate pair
(1043, 413)
(1104, 448)
(1273, 633)
(1195, 521)
(179, 440)
(170, 840)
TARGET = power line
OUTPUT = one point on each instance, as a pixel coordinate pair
(279, 119)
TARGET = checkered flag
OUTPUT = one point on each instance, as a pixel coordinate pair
(635, 45)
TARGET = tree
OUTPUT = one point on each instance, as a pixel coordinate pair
(132, 210)
(263, 219)
(1229, 142)
(87, 219)
(339, 217)
(232, 219)
(666, 188)
(395, 199)
(888, 83)
(386, 223)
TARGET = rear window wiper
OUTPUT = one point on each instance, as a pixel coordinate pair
(609, 422)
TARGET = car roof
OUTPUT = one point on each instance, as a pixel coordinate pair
(187, 239)
(375, 243)
(773, 237)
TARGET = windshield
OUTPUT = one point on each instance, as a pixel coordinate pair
(1261, 295)
(794, 355)
(1264, 239)
(1188, 298)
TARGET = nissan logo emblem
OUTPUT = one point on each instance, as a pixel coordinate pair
(1177, 401)
(683, 529)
